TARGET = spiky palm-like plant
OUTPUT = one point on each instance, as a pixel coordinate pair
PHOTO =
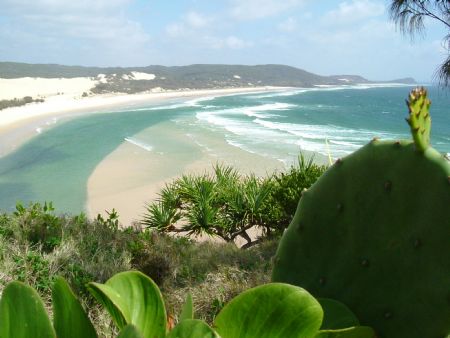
(409, 15)
(164, 213)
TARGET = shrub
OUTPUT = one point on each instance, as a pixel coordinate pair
(287, 187)
(228, 205)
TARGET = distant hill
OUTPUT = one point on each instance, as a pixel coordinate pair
(201, 76)
(405, 80)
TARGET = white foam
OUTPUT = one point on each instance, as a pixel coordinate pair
(139, 144)
(292, 92)
(251, 111)
(170, 106)
(281, 93)
(189, 103)
(281, 140)
(52, 121)
(240, 146)
(255, 111)
(345, 143)
(201, 145)
(240, 128)
(342, 140)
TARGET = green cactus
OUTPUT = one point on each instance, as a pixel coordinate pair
(419, 118)
(374, 233)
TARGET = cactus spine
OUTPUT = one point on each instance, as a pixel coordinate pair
(374, 233)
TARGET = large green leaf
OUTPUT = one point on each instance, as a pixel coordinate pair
(270, 311)
(130, 331)
(133, 298)
(69, 318)
(352, 332)
(187, 312)
(22, 313)
(112, 301)
(336, 315)
(192, 328)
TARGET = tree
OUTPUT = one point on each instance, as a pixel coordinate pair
(409, 15)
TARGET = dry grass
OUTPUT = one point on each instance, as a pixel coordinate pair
(96, 250)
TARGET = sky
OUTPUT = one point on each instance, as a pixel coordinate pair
(324, 37)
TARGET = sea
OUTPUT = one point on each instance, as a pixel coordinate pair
(56, 163)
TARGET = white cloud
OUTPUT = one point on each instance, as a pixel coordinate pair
(86, 7)
(175, 30)
(288, 25)
(260, 9)
(196, 20)
(189, 24)
(354, 11)
(234, 42)
(110, 29)
(56, 30)
(194, 28)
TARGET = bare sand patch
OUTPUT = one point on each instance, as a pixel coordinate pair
(130, 176)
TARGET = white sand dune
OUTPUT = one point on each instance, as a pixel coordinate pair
(143, 76)
(66, 95)
(42, 87)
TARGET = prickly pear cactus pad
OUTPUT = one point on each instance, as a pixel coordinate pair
(374, 233)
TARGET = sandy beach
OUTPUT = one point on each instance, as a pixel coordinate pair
(130, 176)
(64, 99)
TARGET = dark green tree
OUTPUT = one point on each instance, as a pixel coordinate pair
(409, 15)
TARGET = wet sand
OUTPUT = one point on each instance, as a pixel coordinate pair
(130, 177)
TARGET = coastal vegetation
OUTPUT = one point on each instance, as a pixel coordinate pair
(18, 102)
(410, 16)
(224, 281)
(36, 245)
(136, 306)
(360, 231)
(229, 205)
(200, 76)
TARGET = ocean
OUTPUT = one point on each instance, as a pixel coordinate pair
(56, 163)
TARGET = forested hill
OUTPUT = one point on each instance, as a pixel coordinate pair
(180, 77)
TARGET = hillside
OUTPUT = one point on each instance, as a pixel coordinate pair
(201, 76)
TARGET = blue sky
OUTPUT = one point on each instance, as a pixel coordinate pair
(324, 37)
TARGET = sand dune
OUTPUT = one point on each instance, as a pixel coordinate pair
(44, 88)
(66, 95)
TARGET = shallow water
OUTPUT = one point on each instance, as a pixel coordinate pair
(56, 164)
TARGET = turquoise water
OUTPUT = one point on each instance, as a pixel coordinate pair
(56, 164)
(333, 120)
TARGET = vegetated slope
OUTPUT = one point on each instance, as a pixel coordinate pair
(201, 76)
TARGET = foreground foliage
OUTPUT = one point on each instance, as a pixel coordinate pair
(229, 205)
(136, 305)
(36, 245)
(373, 233)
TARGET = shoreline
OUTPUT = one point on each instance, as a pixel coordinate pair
(127, 178)
(130, 177)
(131, 173)
(19, 124)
